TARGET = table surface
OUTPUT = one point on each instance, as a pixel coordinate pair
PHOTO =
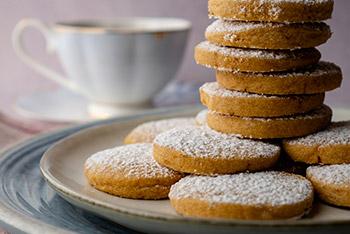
(15, 130)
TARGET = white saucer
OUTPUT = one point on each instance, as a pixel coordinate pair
(64, 106)
(58, 105)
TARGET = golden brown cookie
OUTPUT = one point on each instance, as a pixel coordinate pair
(246, 104)
(200, 150)
(260, 196)
(320, 78)
(271, 10)
(253, 60)
(331, 183)
(130, 171)
(146, 132)
(261, 35)
(330, 146)
(268, 128)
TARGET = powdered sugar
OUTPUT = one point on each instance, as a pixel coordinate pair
(331, 174)
(150, 130)
(213, 89)
(230, 29)
(274, 11)
(230, 37)
(305, 2)
(242, 53)
(223, 69)
(261, 188)
(274, 8)
(338, 133)
(321, 69)
(234, 26)
(206, 143)
(132, 161)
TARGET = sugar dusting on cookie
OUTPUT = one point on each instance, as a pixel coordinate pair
(153, 128)
(272, 9)
(243, 53)
(204, 142)
(315, 114)
(133, 160)
(306, 2)
(230, 29)
(322, 68)
(238, 26)
(261, 188)
(331, 174)
(234, 26)
(213, 89)
(338, 133)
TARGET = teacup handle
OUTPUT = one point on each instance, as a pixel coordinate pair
(17, 41)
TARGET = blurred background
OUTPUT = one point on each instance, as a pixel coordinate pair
(18, 79)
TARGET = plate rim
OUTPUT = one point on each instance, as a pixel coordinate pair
(85, 200)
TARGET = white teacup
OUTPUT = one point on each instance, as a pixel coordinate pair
(125, 61)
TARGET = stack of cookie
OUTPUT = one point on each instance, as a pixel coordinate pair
(270, 85)
(270, 82)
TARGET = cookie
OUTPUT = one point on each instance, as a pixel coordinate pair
(253, 60)
(331, 146)
(271, 10)
(201, 117)
(261, 35)
(200, 150)
(246, 104)
(319, 78)
(259, 196)
(146, 132)
(130, 171)
(331, 183)
(268, 128)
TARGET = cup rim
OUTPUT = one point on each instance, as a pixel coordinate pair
(124, 25)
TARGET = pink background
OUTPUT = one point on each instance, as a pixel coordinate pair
(18, 79)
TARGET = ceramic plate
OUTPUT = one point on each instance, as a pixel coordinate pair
(62, 166)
